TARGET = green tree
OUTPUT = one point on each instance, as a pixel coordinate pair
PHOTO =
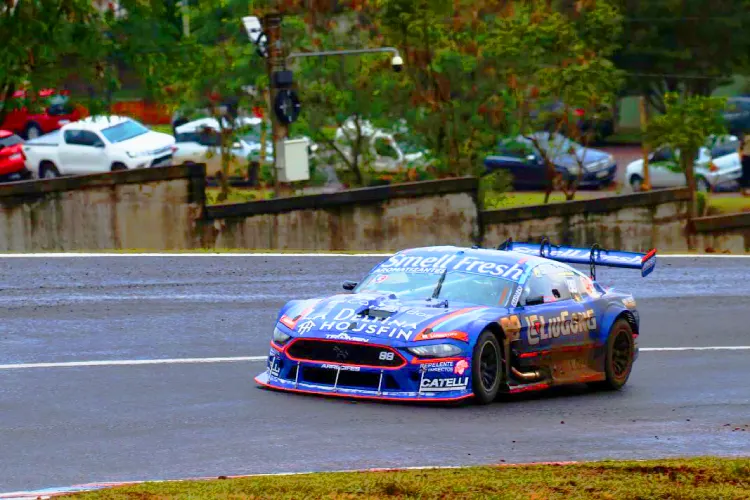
(557, 69)
(47, 41)
(686, 126)
(691, 47)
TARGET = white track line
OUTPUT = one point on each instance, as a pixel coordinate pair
(189, 361)
(132, 362)
(271, 254)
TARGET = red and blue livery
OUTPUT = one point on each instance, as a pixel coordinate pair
(448, 323)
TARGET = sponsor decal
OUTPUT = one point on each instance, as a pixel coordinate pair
(341, 367)
(455, 335)
(441, 366)
(649, 264)
(274, 367)
(540, 328)
(385, 327)
(381, 278)
(579, 253)
(273, 352)
(516, 296)
(629, 302)
(421, 264)
(443, 384)
(461, 367)
(572, 285)
(511, 325)
(306, 326)
(345, 336)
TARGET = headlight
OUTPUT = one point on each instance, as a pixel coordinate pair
(280, 337)
(435, 351)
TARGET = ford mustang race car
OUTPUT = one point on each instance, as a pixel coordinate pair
(448, 323)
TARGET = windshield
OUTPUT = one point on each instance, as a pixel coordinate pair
(457, 286)
(124, 131)
(558, 144)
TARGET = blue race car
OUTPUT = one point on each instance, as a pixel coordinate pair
(448, 323)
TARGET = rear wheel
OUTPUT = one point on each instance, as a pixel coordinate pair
(117, 166)
(487, 367)
(619, 356)
(47, 170)
(32, 131)
(702, 185)
(636, 183)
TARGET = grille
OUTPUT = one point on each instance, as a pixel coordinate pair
(340, 352)
(346, 378)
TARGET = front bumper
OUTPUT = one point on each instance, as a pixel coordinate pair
(601, 177)
(437, 380)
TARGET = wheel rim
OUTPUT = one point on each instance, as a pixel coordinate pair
(635, 184)
(33, 133)
(488, 366)
(622, 355)
(49, 174)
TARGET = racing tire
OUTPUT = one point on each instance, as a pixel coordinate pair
(32, 131)
(619, 358)
(636, 183)
(117, 166)
(48, 170)
(487, 368)
(702, 185)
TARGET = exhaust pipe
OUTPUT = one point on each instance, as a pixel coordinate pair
(526, 376)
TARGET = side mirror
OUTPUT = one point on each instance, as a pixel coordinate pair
(534, 301)
(99, 145)
(350, 285)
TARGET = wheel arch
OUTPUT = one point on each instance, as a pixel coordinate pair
(611, 319)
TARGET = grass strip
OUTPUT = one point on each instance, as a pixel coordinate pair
(695, 478)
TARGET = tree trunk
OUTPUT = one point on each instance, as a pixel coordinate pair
(686, 160)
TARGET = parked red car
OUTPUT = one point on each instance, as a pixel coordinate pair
(12, 160)
(52, 112)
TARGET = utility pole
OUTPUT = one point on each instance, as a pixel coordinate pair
(275, 63)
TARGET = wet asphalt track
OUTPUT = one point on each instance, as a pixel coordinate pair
(63, 426)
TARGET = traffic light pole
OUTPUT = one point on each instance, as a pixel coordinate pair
(275, 62)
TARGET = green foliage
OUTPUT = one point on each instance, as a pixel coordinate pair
(46, 41)
(691, 47)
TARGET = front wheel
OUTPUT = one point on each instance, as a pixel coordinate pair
(702, 185)
(487, 367)
(636, 183)
(619, 356)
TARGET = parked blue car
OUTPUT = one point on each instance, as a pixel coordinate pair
(520, 157)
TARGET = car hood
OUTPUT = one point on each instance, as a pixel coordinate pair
(148, 143)
(364, 317)
(589, 156)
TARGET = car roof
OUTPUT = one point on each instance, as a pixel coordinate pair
(413, 257)
(213, 124)
(99, 122)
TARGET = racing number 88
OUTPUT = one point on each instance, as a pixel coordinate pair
(386, 356)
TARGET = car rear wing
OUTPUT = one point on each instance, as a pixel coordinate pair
(594, 256)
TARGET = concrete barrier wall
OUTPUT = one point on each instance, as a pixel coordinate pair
(164, 209)
(154, 209)
(723, 233)
(367, 219)
(634, 222)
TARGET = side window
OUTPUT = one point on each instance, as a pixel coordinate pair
(73, 137)
(88, 138)
(663, 154)
(209, 137)
(546, 284)
(383, 147)
(186, 137)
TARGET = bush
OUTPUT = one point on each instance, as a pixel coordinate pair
(491, 188)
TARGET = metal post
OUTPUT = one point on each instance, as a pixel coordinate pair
(275, 62)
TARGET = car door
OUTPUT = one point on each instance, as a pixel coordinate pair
(523, 162)
(97, 159)
(664, 169)
(72, 153)
(552, 321)
(210, 142)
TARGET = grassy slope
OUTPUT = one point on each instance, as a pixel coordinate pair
(685, 479)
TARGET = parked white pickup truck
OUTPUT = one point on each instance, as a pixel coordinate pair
(96, 145)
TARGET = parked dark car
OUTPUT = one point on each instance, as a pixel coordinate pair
(737, 115)
(525, 162)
